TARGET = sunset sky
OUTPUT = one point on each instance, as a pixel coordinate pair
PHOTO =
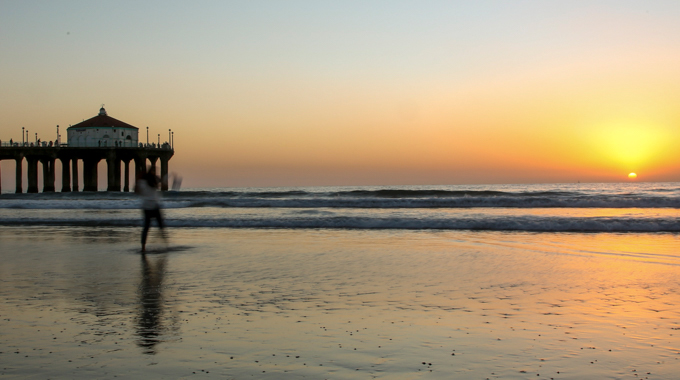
(302, 93)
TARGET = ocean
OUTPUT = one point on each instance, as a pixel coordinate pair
(612, 207)
(562, 281)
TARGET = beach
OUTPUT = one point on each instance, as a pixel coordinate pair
(82, 302)
(408, 190)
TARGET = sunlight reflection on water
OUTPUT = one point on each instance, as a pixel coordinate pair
(81, 302)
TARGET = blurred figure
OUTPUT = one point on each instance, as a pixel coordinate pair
(147, 188)
(176, 182)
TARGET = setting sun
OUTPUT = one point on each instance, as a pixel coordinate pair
(632, 175)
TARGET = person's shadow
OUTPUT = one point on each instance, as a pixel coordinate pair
(149, 324)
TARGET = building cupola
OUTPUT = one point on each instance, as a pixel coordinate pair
(102, 111)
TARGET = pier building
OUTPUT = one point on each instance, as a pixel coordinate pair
(91, 141)
(102, 131)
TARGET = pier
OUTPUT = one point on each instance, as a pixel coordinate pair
(117, 159)
(99, 138)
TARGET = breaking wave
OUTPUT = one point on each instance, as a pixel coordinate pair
(540, 208)
(508, 223)
(362, 199)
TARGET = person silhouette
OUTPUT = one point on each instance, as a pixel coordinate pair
(147, 188)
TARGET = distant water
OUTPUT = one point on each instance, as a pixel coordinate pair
(614, 207)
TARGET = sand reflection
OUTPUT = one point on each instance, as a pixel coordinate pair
(292, 304)
(149, 322)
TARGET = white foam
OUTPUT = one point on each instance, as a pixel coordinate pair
(523, 223)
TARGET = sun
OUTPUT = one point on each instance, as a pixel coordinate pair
(632, 175)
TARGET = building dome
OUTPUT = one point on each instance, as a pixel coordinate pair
(102, 111)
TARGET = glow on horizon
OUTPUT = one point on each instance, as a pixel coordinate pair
(303, 93)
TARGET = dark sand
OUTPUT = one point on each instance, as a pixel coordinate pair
(315, 304)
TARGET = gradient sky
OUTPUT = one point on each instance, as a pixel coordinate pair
(300, 93)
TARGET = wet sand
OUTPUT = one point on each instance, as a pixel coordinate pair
(338, 304)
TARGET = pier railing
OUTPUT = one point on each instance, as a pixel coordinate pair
(50, 144)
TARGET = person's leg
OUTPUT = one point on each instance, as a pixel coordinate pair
(147, 224)
(159, 218)
(158, 214)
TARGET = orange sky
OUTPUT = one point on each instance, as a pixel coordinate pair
(385, 93)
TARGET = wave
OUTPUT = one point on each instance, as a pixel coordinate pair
(500, 196)
(368, 194)
(505, 223)
(459, 202)
(361, 203)
(404, 193)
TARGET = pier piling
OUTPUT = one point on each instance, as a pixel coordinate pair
(90, 157)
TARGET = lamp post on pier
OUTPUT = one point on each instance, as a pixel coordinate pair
(147, 136)
(22, 136)
(170, 137)
(159, 140)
